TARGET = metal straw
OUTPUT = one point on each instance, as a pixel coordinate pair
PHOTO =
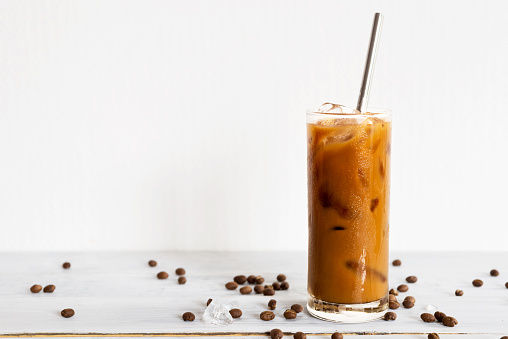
(363, 99)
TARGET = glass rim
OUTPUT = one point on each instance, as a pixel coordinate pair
(371, 111)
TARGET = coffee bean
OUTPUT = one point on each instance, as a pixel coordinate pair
(240, 279)
(393, 305)
(180, 271)
(439, 316)
(251, 279)
(276, 333)
(235, 313)
(66, 265)
(49, 289)
(276, 286)
(393, 292)
(428, 318)
(268, 291)
(284, 285)
(289, 314)
(36, 288)
(391, 297)
(477, 283)
(246, 290)
(67, 313)
(390, 316)
(182, 280)
(494, 273)
(259, 289)
(209, 301)
(260, 280)
(433, 336)
(152, 263)
(450, 321)
(281, 278)
(272, 304)
(402, 288)
(396, 262)
(459, 293)
(269, 286)
(188, 316)
(267, 315)
(297, 308)
(408, 304)
(337, 335)
(410, 298)
(162, 275)
(231, 285)
(301, 335)
(504, 337)
(411, 279)
(506, 285)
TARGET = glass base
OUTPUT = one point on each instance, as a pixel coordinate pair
(347, 313)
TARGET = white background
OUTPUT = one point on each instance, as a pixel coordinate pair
(180, 125)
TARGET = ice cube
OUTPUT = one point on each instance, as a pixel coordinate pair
(217, 313)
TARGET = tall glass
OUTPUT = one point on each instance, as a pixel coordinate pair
(348, 197)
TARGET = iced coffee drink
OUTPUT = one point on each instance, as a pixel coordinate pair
(348, 200)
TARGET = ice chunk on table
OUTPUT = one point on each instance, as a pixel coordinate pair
(217, 313)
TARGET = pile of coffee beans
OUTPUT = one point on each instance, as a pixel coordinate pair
(257, 280)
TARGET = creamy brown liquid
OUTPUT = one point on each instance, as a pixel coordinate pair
(349, 190)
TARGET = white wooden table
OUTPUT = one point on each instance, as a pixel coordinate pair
(118, 294)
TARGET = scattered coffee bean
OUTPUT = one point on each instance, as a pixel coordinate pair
(268, 291)
(504, 337)
(396, 262)
(276, 286)
(231, 285)
(66, 265)
(391, 297)
(162, 275)
(297, 308)
(477, 283)
(182, 280)
(281, 278)
(301, 335)
(36, 288)
(49, 289)
(433, 336)
(276, 334)
(390, 316)
(408, 304)
(284, 285)
(411, 279)
(267, 315)
(188, 316)
(450, 321)
(337, 335)
(269, 286)
(494, 273)
(235, 313)
(209, 301)
(506, 285)
(259, 289)
(428, 318)
(251, 279)
(393, 292)
(240, 279)
(152, 263)
(272, 304)
(393, 305)
(289, 314)
(180, 271)
(439, 316)
(402, 288)
(67, 313)
(459, 293)
(246, 290)
(410, 298)
(260, 280)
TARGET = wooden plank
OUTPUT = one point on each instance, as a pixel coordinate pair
(118, 294)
